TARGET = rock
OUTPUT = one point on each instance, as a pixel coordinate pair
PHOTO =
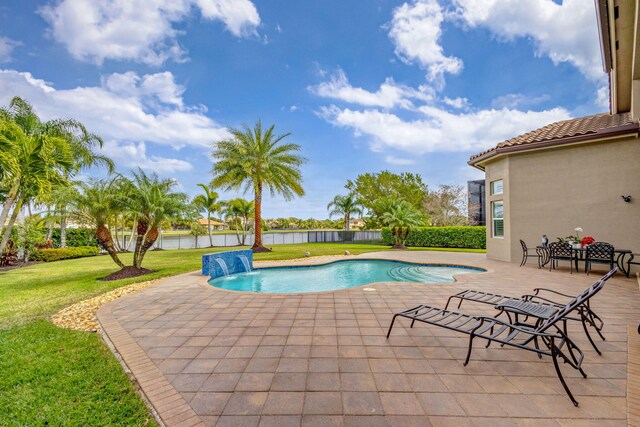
(307, 254)
(347, 253)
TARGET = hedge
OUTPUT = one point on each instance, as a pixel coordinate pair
(57, 254)
(76, 237)
(443, 237)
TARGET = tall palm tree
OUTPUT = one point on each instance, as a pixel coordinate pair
(400, 217)
(96, 203)
(240, 210)
(80, 144)
(39, 164)
(253, 158)
(345, 205)
(207, 202)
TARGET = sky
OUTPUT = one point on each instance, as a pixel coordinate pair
(363, 86)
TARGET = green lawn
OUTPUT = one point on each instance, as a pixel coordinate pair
(52, 376)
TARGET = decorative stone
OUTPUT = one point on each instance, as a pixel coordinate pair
(347, 253)
(307, 254)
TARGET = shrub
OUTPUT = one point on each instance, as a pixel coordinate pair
(9, 256)
(443, 237)
(57, 254)
(76, 237)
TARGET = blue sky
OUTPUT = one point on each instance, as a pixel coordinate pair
(413, 86)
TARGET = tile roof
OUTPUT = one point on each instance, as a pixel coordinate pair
(559, 131)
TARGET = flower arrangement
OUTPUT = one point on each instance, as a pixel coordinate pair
(587, 240)
(578, 230)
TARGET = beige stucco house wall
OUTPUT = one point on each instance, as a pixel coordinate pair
(554, 190)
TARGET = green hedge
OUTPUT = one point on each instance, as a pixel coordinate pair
(76, 237)
(443, 237)
(57, 254)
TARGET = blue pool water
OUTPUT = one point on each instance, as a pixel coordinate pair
(337, 275)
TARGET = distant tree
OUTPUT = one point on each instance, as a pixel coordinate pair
(401, 216)
(239, 213)
(254, 158)
(371, 188)
(198, 230)
(446, 206)
(207, 202)
(345, 206)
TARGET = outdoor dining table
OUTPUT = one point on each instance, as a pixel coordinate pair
(619, 254)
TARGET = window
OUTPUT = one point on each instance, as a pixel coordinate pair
(497, 217)
(496, 187)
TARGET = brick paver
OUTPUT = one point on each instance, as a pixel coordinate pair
(205, 356)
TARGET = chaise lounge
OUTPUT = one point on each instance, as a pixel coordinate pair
(550, 332)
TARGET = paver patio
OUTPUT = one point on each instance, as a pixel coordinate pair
(205, 356)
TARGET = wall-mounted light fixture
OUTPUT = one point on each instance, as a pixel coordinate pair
(627, 199)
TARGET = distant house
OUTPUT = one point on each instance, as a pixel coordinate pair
(356, 223)
(578, 172)
(215, 225)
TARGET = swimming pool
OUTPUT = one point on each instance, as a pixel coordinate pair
(338, 275)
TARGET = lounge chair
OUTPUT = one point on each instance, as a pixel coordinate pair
(535, 305)
(551, 332)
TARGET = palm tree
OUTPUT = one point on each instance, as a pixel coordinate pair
(400, 217)
(96, 203)
(38, 164)
(207, 202)
(345, 205)
(255, 159)
(240, 210)
(80, 144)
(151, 201)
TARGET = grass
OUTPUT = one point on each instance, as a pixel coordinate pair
(53, 376)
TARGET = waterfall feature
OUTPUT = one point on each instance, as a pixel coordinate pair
(245, 262)
(223, 266)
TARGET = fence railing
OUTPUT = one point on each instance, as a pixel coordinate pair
(186, 241)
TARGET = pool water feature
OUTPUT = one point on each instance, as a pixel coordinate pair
(338, 275)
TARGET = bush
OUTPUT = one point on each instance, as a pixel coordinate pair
(443, 237)
(76, 237)
(57, 254)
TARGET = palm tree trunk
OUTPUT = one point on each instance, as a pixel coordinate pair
(150, 238)
(63, 227)
(143, 227)
(106, 241)
(49, 224)
(208, 229)
(12, 220)
(257, 243)
(8, 204)
(133, 233)
(347, 217)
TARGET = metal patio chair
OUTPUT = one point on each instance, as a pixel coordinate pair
(562, 251)
(551, 332)
(599, 253)
(526, 253)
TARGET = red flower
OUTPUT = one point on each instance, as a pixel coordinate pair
(587, 240)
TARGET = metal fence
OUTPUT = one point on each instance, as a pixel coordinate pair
(186, 241)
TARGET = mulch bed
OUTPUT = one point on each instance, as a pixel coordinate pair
(126, 273)
(19, 265)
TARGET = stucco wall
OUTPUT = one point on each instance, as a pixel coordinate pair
(553, 191)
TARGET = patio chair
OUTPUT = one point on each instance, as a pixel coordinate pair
(535, 305)
(551, 332)
(562, 251)
(599, 253)
(526, 253)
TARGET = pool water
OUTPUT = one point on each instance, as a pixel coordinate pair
(337, 275)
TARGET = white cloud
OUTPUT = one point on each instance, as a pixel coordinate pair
(138, 30)
(438, 130)
(6, 48)
(129, 111)
(456, 102)
(399, 161)
(514, 100)
(564, 32)
(389, 95)
(415, 30)
(133, 155)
